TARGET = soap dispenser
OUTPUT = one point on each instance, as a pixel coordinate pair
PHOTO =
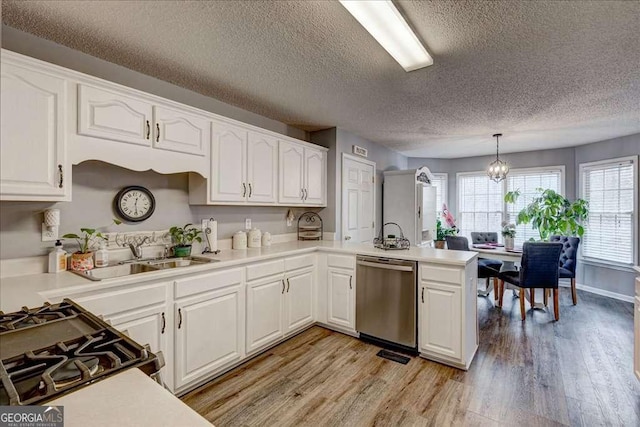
(57, 258)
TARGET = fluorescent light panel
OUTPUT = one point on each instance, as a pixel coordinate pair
(388, 27)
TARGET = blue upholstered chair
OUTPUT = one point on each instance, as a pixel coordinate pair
(568, 261)
(485, 269)
(539, 269)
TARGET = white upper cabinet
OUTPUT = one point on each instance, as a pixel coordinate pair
(262, 168)
(314, 177)
(291, 173)
(34, 165)
(228, 163)
(179, 131)
(115, 116)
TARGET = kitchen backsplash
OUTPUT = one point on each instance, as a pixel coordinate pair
(95, 184)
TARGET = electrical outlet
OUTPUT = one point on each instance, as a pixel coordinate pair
(49, 235)
(247, 224)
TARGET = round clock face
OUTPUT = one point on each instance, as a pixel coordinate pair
(135, 203)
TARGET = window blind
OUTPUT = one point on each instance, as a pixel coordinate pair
(480, 203)
(528, 182)
(610, 190)
(439, 181)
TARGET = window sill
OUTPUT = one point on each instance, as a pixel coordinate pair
(607, 264)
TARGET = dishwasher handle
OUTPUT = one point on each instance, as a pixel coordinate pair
(385, 266)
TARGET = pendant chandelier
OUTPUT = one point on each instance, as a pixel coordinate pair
(497, 169)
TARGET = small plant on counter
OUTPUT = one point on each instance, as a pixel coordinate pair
(442, 233)
(183, 238)
(509, 234)
(82, 259)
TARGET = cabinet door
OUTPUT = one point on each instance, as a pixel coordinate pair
(264, 312)
(291, 173)
(149, 326)
(33, 161)
(636, 354)
(180, 131)
(314, 177)
(262, 168)
(209, 333)
(228, 163)
(298, 300)
(341, 305)
(113, 115)
(440, 319)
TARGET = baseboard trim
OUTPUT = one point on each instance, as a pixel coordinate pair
(600, 292)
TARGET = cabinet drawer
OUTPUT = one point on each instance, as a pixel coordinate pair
(207, 282)
(341, 261)
(265, 269)
(109, 303)
(441, 274)
(297, 262)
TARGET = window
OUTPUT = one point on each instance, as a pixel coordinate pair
(440, 182)
(481, 205)
(610, 189)
(528, 181)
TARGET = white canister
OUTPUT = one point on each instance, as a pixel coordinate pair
(239, 240)
(266, 239)
(255, 238)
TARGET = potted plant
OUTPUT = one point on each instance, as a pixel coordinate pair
(441, 233)
(183, 238)
(552, 214)
(509, 233)
(82, 259)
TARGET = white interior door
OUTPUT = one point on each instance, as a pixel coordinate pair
(358, 200)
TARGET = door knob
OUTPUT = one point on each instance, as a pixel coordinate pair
(347, 237)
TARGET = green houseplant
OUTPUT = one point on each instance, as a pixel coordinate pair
(183, 238)
(442, 233)
(551, 213)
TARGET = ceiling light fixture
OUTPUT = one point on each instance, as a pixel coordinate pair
(497, 169)
(385, 23)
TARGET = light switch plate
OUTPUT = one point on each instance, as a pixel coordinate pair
(247, 224)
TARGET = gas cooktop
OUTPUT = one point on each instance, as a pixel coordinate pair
(55, 349)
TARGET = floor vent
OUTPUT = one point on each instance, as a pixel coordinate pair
(395, 357)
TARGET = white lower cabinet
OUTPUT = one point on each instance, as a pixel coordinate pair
(264, 312)
(341, 302)
(440, 326)
(209, 326)
(299, 300)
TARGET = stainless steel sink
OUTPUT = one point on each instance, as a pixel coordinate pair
(136, 267)
(116, 271)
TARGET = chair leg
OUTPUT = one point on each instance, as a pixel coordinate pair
(500, 292)
(522, 312)
(574, 293)
(556, 306)
(545, 297)
(533, 297)
(495, 288)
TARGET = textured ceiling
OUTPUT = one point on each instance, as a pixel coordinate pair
(545, 74)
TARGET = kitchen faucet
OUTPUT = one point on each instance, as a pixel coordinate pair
(136, 249)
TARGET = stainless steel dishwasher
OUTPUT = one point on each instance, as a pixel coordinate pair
(386, 299)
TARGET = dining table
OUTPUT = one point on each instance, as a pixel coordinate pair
(509, 258)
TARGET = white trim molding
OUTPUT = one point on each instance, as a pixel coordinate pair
(601, 292)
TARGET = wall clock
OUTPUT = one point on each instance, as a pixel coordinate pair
(134, 203)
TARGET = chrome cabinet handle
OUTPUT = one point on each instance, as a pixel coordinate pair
(287, 285)
(283, 286)
(302, 193)
(157, 132)
(350, 280)
(180, 318)
(61, 178)
(418, 211)
(244, 189)
(306, 194)
(422, 297)
(250, 190)
(164, 323)
(347, 237)
(148, 129)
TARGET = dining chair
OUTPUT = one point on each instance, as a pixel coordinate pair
(485, 269)
(538, 269)
(568, 261)
(483, 237)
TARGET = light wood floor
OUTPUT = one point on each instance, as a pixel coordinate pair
(577, 371)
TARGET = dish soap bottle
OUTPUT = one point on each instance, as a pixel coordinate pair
(102, 256)
(57, 258)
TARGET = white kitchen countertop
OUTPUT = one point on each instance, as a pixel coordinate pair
(33, 289)
(128, 399)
